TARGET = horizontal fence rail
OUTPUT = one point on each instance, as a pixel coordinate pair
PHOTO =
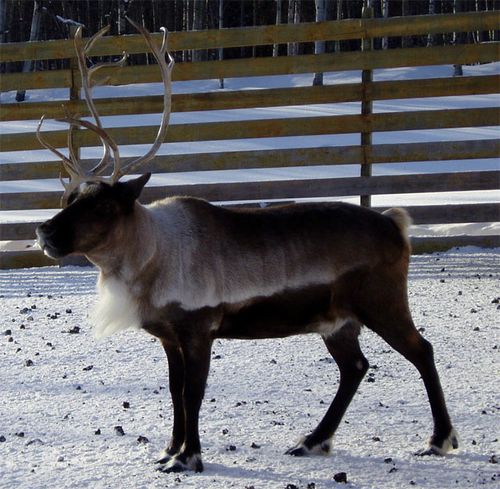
(271, 97)
(241, 68)
(286, 188)
(268, 128)
(261, 35)
(240, 160)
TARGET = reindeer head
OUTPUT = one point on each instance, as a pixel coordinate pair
(95, 205)
(95, 214)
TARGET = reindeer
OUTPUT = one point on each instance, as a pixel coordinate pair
(188, 272)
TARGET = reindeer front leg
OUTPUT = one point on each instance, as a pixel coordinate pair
(176, 383)
(195, 353)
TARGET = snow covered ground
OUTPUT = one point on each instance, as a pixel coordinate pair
(62, 394)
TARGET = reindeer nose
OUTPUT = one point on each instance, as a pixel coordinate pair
(45, 229)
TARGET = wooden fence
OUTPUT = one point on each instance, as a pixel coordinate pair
(364, 154)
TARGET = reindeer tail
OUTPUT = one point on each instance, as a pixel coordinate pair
(401, 218)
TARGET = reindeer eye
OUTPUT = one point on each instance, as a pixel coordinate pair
(103, 209)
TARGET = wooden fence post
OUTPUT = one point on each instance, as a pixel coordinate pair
(366, 110)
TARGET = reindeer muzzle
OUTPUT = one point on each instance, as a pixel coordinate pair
(46, 235)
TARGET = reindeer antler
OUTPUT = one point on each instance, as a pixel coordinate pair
(71, 162)
(166, 74)
(87, 84)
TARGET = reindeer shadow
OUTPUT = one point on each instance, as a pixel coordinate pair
(261, 475)
(459, 466)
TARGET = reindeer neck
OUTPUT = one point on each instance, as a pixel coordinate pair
(129, 250)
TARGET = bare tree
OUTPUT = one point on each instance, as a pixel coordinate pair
(319, 46)
(221, 25)
(432, 11)
(122, 12)
(293, 16)
(199, 14)
(339, 16)
(34, 35)
(405, 10)
(458, 38)
(385, 15)
(278, 21)
(3, 20)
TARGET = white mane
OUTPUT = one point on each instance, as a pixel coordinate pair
(116, 309)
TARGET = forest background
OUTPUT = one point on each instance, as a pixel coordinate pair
(23, 20)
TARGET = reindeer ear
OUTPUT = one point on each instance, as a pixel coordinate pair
(136, 185)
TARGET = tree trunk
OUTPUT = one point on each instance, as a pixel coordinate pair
(254, 23)
(319, 46)
(278, 21)
(458, 38)
(292, 47)
(198, 25)
(3, 29)
(432, 11)
(339, 16)
(185, 26)
(3, 21)
(385, 15)
(242, 24)
(122, 22)
(34, 35)
(405, 9)
(296, 20)
(221, 26)
(481, 35)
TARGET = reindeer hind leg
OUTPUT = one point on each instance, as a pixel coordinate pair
(419, 352)
(344, 348)
(384, 309)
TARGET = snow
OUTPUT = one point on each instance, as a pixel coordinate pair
(268, 393)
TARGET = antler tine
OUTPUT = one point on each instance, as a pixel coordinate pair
(100, 33)
(81, 52)
(166, 72)
(76, 177)
(73, 156)
(76, 168)
(48, 146)
(105, 138)
(86, 77)
(115, 64)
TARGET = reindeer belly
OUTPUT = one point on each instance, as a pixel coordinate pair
(283, 314)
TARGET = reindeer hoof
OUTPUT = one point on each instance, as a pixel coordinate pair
(171, 468)
(163, 460)
(428, 452)
(298, 451)
(441, 449)
(182, 463)
(302, 450)
(165, 456)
